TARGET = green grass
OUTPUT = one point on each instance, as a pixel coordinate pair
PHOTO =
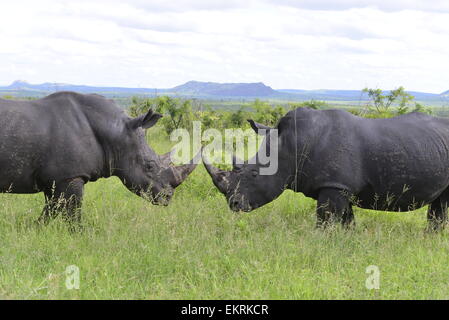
(196, 248)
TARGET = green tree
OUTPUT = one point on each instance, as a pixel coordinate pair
(177, 112)
(314, 104)
(420, 108)
(238, 119)
(140, 106)
(265, 113)
(381, 105)
(209, 118)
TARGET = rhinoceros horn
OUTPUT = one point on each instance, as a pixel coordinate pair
(220, 178)
(177, 174)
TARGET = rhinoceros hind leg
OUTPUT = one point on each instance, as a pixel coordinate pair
(66, 198)
(333, 206)
(437, 213)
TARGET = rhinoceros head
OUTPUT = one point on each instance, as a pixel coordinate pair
(144, 172)
(244, 186)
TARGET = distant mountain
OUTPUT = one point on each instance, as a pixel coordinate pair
(45, 88)
(209, 90)
(352, 95)
(18, 84)
(322, 94)
(225, 89)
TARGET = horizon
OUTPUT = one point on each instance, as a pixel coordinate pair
(301, 45)
(164, 88)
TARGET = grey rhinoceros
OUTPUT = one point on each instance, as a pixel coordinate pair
(59, 143)
(341, 160)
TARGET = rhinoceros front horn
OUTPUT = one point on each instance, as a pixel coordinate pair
(220, 178)
(177, 174)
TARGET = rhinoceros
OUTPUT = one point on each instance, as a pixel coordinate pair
(57, 144)
(341, 160)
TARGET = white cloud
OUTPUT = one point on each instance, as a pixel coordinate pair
(162, 44)
(397, 5)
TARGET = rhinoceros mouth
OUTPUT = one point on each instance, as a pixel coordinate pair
(162, 198)
(241, 209)
(238, 203)
(160, 202)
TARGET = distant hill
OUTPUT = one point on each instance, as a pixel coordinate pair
(209, 90)
(351, 95)
(46, 88)
(225, 89)
(329, 95)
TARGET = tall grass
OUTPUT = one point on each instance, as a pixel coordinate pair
(196, 248)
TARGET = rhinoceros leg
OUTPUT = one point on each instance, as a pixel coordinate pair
(437, 213)
(66, 198)
(333, 206)
(348, 218)
(48, 212)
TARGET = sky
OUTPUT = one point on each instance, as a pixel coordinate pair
(287, 44)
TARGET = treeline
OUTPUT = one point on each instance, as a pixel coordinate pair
(179, 113)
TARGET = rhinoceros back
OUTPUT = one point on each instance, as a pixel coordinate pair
(43, 141)
(384, 163)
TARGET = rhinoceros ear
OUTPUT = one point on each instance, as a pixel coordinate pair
(259, 128)
(145, 121)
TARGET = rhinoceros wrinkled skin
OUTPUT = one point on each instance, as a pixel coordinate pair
(341, 160)
(59, 143)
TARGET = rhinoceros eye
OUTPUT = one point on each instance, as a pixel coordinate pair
(255, 172)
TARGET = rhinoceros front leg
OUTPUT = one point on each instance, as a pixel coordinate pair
(334, 206)
(64, 197)
(348, 217)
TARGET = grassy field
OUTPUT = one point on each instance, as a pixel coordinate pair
(196, 248)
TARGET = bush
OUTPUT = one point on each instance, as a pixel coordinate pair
(177, 112)
(266, 114)
(313, 104)
(382, 105)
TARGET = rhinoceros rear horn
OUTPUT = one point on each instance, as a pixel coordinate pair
(177, 174)
(219, 177)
